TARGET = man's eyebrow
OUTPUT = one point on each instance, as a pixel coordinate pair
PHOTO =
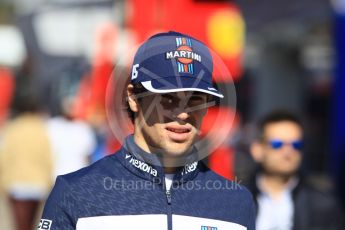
(198, 95)
(167, 95)
(202, 106)
(170, 97)
(195, 95)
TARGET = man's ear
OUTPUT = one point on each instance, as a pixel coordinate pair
(257, 151)
(132, 100)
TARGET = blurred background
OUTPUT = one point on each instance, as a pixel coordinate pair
(58, 55)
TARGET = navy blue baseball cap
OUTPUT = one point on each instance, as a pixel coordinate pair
(174, 62)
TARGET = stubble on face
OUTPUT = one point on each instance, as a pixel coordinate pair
(167, 126)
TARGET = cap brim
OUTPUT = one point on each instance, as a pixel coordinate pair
(180, 84)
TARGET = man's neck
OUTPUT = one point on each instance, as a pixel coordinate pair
(142, 144)
(274, 185)
(139, 140)
(170, 170)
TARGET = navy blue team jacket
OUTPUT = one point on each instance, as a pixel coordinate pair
(125, 191)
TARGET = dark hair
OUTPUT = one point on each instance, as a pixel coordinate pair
(277, 116)
(26, 98)
(137, 89)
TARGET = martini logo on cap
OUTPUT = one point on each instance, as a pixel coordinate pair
(184, 55)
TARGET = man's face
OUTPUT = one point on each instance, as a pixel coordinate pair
(279, 152)
(169, 123)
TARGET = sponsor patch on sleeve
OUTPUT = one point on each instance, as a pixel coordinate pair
(44, 224)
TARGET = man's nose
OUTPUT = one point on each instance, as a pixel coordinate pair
(288, 149)
(180, 111)
(182, 115)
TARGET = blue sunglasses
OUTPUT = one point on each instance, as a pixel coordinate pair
(277, 144)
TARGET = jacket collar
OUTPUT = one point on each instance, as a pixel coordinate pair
(149, 167)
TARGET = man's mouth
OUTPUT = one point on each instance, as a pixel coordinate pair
(179, 134)
(178, 130)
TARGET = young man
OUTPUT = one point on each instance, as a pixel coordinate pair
(155, 181)
(285, 200)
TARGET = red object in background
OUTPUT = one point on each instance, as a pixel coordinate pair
(221, 162)
(112, 145)
(6, 92)
(105, 51)
(144, 16)
(99, 77)
(218, 124)
(219, 24)
(90, 101)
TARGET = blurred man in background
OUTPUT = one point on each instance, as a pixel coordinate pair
(285, 200)
(25, 159)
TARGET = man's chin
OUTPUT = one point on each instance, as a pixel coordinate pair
(177, 150)
(175, 158)
(172, 152)
(285, 174)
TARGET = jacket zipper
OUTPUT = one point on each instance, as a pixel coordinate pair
(169, 211)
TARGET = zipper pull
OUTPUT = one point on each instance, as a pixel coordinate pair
(168, 194)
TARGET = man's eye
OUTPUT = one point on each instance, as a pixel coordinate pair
(166, 99)
(196, 100)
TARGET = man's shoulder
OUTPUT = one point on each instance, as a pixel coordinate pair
(322, 202)
(319, 195)
(232, 187)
